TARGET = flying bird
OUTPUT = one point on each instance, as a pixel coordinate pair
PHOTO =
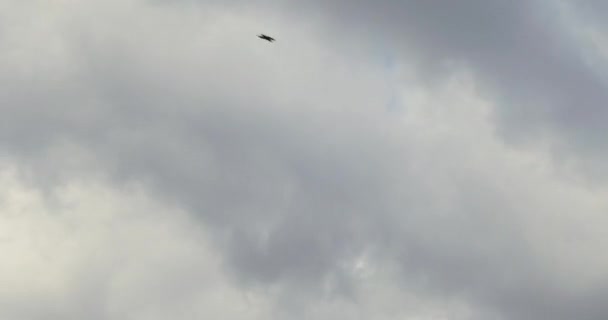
(265, 37)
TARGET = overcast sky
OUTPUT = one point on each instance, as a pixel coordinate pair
(388, 159)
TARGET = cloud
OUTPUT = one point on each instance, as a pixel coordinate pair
(272, 178)
(98, 251)
(527, 56)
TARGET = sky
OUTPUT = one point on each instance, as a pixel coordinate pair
(411, 159)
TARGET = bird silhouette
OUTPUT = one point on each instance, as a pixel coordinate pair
(265, 37)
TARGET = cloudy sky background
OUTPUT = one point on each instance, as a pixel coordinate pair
(381, 160)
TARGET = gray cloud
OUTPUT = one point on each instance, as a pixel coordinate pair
(523, 53)
(288, 155)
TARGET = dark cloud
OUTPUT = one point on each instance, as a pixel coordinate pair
(523, 53)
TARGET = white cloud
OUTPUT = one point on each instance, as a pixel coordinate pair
(92, 250)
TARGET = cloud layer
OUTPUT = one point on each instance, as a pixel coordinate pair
(159, 161)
